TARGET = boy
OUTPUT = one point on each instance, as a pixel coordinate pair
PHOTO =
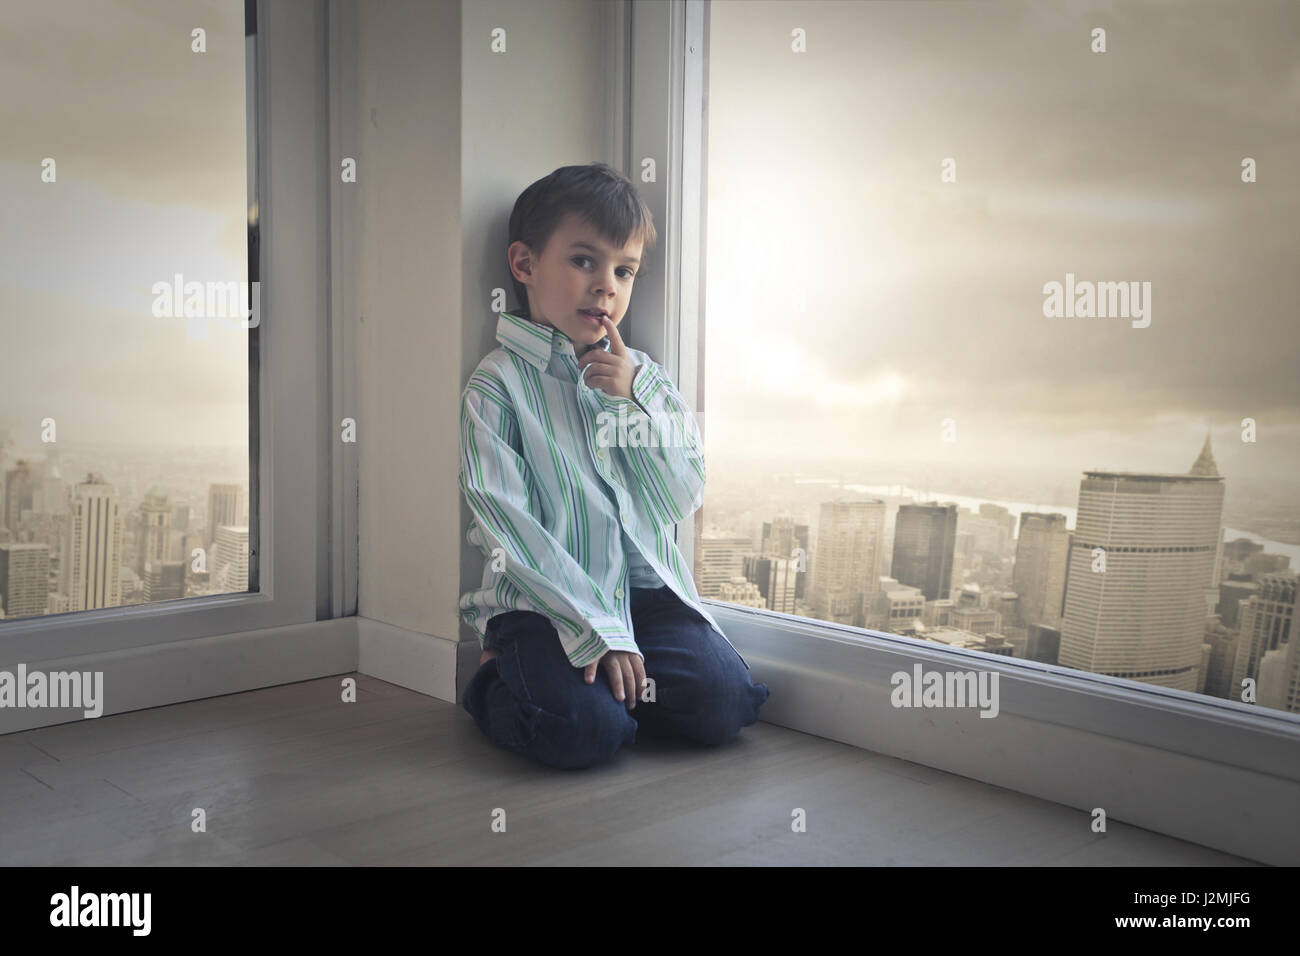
(582, 572)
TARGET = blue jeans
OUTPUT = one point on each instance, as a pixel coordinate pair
(532, 701)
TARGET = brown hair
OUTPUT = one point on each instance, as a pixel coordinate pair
(597, 193)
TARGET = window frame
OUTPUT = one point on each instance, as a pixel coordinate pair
(290, 452)
(1076, 738)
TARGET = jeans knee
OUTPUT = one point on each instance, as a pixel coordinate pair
(585, 737)
(721, 712)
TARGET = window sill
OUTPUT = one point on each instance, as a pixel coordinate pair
(1215, 772)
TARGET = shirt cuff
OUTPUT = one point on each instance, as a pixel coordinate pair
(644, 386)
(610, 634)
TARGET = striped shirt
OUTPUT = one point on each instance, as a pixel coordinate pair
(572, 505)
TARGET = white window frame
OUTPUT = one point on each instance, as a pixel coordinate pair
(292, 448)
(1215, 772)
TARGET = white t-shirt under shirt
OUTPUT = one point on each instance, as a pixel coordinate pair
(639, 573)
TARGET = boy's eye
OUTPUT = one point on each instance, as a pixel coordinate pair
(628, 269)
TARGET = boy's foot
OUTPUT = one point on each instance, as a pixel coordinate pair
(487, 656)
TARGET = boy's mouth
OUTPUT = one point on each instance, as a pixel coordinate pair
(592, 317)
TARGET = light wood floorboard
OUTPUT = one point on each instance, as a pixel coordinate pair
(292, 776)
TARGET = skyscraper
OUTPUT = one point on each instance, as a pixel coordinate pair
(225, 507)
(718, 560)
(781, 536)
(1141, 574)
(1042, 550)
(94, 551)
(925, 537)
(1266, 620)
(24, 578)
(155, 529)
(846, 567)
(229, 558)
(18, 494)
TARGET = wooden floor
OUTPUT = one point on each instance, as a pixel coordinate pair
(290, 775)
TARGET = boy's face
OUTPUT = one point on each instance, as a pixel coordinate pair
(577, 270)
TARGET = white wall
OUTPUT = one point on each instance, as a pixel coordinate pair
(405, 266)
(525, 112)
(446, 134)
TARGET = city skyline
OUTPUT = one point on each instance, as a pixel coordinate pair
(1148, 588)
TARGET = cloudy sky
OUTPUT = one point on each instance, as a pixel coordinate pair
(854, 300)
(149, 142)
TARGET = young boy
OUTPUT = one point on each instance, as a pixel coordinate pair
(582, 572)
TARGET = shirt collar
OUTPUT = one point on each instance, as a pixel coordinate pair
(534, 343)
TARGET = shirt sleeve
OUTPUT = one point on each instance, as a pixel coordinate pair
(659, 441)
(501, 494)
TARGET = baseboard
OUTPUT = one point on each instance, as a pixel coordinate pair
(155, 675)
(432, 665)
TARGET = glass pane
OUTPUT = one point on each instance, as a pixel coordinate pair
(126, 303)
(1000, 332)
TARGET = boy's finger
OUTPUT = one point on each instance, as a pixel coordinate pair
(615, 677)
(638, 667)
(629, 683)
(589, 672)
(615, 340)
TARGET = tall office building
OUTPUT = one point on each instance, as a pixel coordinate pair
(1231, 594)
(229, 559)
(777, 581)
(164, 580)
(1265, 625)
(846, 567)
(718, 559)
(1222, 642)
(154, 530)
(781, 536)
(24, 578)
(1042, 552)
(1005, 519)
(1144, 616)
(988, 531)
(19, 486)
(225, 507)
(925, 538)
(93, 556)
(50, 491)
(1279, 678)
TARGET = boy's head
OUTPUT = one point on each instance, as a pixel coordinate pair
(578, 238)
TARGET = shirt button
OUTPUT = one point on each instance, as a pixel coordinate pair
(618, 592)
(600, 453)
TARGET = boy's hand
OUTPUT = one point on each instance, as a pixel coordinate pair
(614, 369)
(626, 673)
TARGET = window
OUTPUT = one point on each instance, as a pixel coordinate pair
(999, 338)
(130, 297)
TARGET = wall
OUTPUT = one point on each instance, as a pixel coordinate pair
(404, 304)
(525, 112)
(446, 134)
